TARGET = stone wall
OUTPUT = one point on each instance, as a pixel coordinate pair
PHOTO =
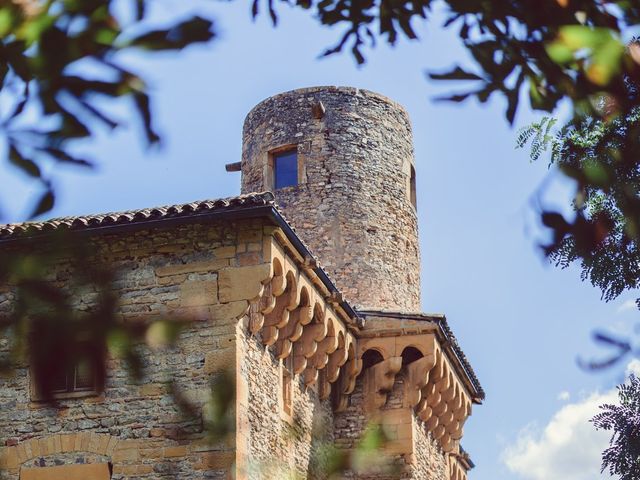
(352, 205)
(210, 275)
(137, 426)
(427, 460)
(277, 445)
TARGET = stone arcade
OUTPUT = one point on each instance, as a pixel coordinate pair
(320, 345)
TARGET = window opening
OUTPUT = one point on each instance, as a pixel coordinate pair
(79, 377)
(285, 168)
(412, 188)
(370, 358)
(287, 385)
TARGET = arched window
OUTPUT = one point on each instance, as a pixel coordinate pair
(370, 358)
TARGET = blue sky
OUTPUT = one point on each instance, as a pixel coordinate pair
(521, 322)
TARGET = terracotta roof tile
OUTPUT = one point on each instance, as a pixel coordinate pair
(82, 222)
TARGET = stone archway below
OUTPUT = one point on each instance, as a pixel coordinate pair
(96, 471)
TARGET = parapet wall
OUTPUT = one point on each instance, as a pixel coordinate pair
(352, 204)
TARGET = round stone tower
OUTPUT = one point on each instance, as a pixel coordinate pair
(340, 162)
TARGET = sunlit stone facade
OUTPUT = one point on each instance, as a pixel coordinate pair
(319, 327)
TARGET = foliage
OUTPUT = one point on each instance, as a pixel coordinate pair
(46, 50)
(550, 51)
(60, 65)
(622, 457)
(604, 237)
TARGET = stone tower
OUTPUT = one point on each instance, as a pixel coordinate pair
(340, 162)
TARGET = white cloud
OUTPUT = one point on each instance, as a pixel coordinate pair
(567, 448)
(564, 396)
(633, 367)
(627, 305)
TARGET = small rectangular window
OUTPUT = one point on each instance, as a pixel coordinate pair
(287, 386)
(76, 380)
(412, 188)
(285, 169)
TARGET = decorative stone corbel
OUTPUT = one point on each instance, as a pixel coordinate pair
(347, 380)
(378, 382)
(417, 379)
(292, 331)
(278, 316)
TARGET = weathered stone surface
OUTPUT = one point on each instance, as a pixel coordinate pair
(352, 206)
(242, 283)
(251, 304)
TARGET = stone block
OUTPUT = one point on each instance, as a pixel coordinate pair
(22, 453)
(228, 312)
(152, 390)
(171, 452)
(97, 471)
(250, 235)
(94, 443)
(154, 453)
(35, 447)
(103, 444)
(222, 359)
(84, 441)
(144, 469)
(57, 444)
(197, 293)
(215, 461)
(242, 283)
(225, 252)
(111, 446)
(67, 442)
(192, 267)
(10, 458)
(126, 451)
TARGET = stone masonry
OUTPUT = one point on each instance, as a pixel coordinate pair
(352, 205)
(310, 374)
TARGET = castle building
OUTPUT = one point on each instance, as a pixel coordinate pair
(307, 298)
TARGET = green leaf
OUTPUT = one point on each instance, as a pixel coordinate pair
(560, 52)
(7, 18)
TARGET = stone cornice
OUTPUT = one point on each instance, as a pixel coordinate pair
(295, 314)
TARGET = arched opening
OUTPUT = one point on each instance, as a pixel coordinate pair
(370, 358)
(410, 355)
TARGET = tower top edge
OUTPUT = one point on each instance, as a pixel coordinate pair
(354, 91)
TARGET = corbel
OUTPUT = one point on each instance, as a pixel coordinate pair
(307, 345)
(292, 331)
(417, 379)
(278, 317)
(336, 360)
(378, 382)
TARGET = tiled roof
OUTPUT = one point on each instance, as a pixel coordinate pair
(86, 222)
(441, 321)
(189, 212)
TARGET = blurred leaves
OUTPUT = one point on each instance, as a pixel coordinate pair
(603, 158)
(549, 51)
(58, 301)
(41, 44)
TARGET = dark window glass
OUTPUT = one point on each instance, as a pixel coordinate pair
(78, 378)
(285, 166)
(412, 188)
(84, 377)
